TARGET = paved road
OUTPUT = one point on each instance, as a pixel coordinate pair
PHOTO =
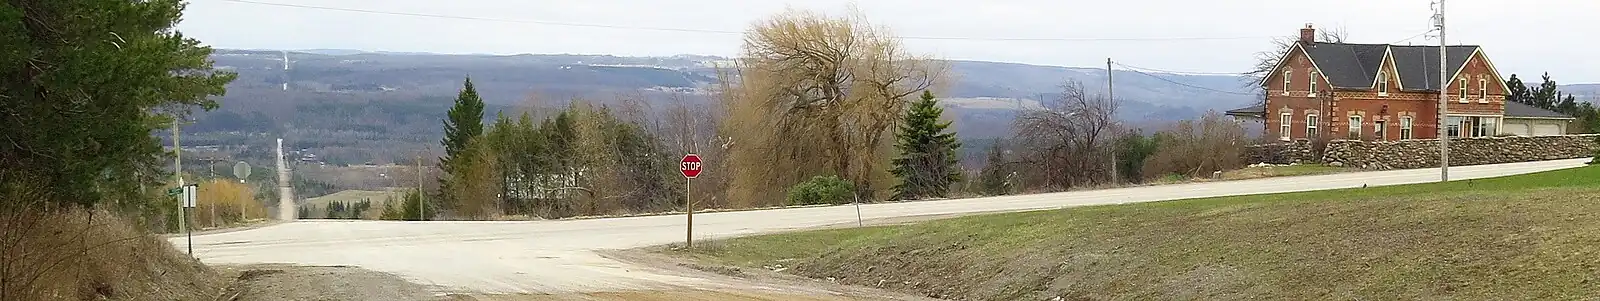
(558, 257)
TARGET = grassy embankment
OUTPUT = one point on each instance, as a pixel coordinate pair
(67, 254)
(1524, 237)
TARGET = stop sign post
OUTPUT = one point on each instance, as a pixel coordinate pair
(690, 167)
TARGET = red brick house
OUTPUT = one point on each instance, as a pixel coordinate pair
(1386, 92)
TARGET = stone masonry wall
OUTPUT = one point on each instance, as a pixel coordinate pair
(1298, 151)
(1407, 154)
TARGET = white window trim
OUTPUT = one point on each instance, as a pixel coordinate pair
(1288, 74)
(1311, 91)
(1460, 131)
(1380, 130)
(1355, 126)
(1383, 83)
(1284, 120)
(1405, 127)
(1311, 125)
(1483, 90)
(1463, 89)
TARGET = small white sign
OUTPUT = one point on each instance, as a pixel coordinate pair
(189, 195)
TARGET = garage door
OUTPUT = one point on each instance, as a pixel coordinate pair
(1547, 129)
(1519, 129)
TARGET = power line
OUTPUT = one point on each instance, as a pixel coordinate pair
(713, 31)
(1181, 72)
(1130, 68)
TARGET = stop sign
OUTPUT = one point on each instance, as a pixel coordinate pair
(690, 166)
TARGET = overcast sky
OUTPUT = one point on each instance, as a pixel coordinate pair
(1527, 38)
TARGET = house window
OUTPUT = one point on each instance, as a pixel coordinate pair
(1463, 90)
(1405, 127)
(1312, 89)
(1484, 126)
(1483, 89)
(1283, 125)
(1379, 131)
(1355, 127)
(1453, 126)
(1311, 126)
(1287, 74)
(1383, 83)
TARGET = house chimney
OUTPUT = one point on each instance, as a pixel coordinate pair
(1308, 34)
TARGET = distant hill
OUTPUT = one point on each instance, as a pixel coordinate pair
(355, 107)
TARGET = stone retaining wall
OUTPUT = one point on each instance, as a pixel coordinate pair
(1409, 154)
(1280, 153)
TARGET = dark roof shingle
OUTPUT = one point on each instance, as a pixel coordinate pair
(1355, 66)
(1517, 109)
(1254, 111)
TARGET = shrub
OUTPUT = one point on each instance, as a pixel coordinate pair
(821, 190)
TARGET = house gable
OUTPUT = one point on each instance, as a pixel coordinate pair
(1474, 67)
(1294, 54)
(1480, 62)
(1387, 69)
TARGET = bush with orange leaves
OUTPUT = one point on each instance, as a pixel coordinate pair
(223, 202)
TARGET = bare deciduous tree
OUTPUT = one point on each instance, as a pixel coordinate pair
(1266, 60)
(1196, 148)
(1068, 141)
(817, 94)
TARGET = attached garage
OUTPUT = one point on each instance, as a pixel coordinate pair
(1525, 120)
(1519, 129)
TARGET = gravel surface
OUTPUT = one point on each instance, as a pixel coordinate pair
(561, 257)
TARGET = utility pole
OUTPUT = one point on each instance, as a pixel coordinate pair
(1444, 97)
(1111, 96)
(211, 171)
(177, 167)
(420, 213)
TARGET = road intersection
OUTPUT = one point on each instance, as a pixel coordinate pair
(561, 256)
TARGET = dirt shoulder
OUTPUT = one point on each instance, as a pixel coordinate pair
(280, 282)
(275, 282)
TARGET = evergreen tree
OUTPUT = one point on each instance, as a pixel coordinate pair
(1545, 96)
(1518, 91)
(992, 180)
(1568, 105)
(86, 83)
(1132, 149)
(464, 122)
(927, 163)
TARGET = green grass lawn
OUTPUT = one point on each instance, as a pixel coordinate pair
(1524, 237)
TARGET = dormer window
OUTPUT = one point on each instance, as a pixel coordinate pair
(1287, 74)
(1311, 90)
(1383, 83)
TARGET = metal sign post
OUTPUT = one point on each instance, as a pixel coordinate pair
(189, 197)
(690, 166)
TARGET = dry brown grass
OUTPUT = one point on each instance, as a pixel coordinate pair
(71, 254)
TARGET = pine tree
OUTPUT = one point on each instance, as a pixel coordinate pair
(86, 84)
(1545, 96)
(927, 163)
(1518, 91)
(1568, 104)
(992, 180)
(463, 124)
